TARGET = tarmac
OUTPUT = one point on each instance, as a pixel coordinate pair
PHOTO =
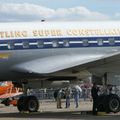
(48, 111)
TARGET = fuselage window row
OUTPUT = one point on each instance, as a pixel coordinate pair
(63, 43)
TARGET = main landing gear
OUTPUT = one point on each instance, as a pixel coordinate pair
(27, 103)
(109, 103)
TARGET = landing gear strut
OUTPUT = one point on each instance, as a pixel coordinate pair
(27, 103)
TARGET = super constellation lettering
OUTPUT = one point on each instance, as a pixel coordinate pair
(58, 32)
(53, 32)
(89, 32)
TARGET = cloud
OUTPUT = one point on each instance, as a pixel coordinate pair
(117, 14)
(80, 13)
(33, 12)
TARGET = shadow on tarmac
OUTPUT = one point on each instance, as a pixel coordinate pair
(60, 115)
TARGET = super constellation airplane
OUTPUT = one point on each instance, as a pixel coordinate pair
(56, 50)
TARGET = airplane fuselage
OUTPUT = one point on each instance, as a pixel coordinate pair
(22, 42)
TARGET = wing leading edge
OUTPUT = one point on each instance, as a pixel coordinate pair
(56, 63)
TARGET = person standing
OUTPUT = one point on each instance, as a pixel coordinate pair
(77, 91)
(55, 94)
(59, 96)
(67, 95)
(94, 93)
(84, 93)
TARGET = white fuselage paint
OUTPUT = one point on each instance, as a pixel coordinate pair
(49, 32)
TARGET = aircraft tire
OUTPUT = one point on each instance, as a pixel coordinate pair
(114, 103)
(21, 104)
(32, 104)
(101, 103)
(100, 106)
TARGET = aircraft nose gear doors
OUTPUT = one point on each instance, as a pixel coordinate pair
(28, 103)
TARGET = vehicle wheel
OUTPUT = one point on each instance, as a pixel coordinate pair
(114, 103)
(21, 104)
(32, 104)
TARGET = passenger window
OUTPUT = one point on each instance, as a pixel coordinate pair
(40, 44)
(55, 43)
(10, 45)
(85, 42)
(66, 43)
(100, 42)
(111, 41)
(25, 44)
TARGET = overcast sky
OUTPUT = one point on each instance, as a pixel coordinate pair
(59, 10)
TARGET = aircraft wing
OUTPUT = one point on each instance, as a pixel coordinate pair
(56, 63)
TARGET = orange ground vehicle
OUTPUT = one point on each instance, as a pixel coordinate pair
(8, 93)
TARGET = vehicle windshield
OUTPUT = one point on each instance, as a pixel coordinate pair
(3, 83)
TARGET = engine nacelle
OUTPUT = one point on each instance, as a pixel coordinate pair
(48, 84)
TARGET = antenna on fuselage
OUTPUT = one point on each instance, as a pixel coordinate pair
(42, 20)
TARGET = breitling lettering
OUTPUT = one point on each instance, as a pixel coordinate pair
(13, 34)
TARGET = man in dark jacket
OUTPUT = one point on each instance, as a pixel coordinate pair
(94, 93)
